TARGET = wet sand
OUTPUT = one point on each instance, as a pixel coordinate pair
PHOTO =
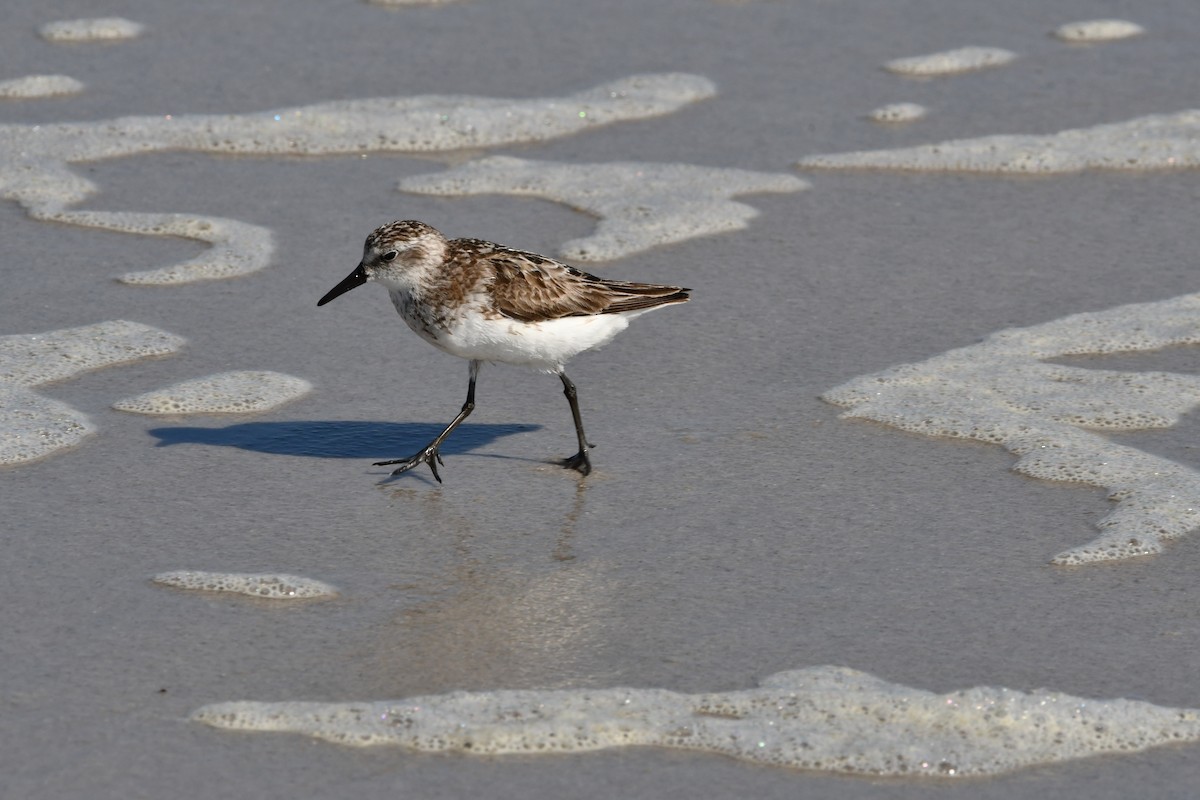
(734, 527)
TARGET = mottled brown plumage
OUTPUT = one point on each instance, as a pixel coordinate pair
(486, 302)
(532, 288)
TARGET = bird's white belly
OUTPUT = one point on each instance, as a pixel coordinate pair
(542, 345)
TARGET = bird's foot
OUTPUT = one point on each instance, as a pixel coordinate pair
(428, 456)
(578, 462)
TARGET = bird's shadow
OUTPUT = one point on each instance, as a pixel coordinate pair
(337, 438)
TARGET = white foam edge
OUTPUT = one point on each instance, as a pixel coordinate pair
(236, 392)
(898, 112)
(1158, 141)
(1098, 30)
(39, 86)
(35, 159)
(950, 62)
(423, 123)
(822, 718)
(269, 586)
(639, 205)
(1001, 391)
(36, 358)
(96, 29)
(33, 427)
(238, 248)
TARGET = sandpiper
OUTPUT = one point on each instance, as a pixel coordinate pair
(485, 302)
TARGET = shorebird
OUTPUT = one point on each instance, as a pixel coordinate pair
(485, 302)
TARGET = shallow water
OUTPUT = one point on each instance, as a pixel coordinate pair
(735, 527)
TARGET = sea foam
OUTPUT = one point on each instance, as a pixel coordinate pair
(271, 586)
(1158, 141)
(240, 392)
(1003, 391)
(36, 86)
(640, 205)
(1098, 30)
(32, 426)
(102, 29)
(898, 112)
(822, 718)
(35, 159)
(238, 248)
(950, 62)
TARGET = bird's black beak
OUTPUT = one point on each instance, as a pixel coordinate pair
(356, 278)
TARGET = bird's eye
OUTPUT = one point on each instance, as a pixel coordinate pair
(390, 255)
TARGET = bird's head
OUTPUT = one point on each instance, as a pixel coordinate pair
(394, 254)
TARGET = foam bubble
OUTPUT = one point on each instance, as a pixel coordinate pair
(950, 62)
(640, 205)
(35, 159)
(238, 248)
(266, 585)
(898, 112)
(32, 426)
(36, 358)
(105, 29)
(226, 393)
(1098, 30)
(1159, 141)
(1001, 391)
(821, 718)
(33, 86)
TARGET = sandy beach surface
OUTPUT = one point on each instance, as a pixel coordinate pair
(734, 526)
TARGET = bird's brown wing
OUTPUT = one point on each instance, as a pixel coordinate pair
(533, 288)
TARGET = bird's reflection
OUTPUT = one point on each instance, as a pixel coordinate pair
(563, 549)
(492, 622)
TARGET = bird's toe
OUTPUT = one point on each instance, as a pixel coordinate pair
(578, 462)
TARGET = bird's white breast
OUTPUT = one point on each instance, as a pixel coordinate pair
(546, 345)
(473, 330)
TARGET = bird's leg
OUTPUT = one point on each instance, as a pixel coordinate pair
(580, 460)
(429, 454)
